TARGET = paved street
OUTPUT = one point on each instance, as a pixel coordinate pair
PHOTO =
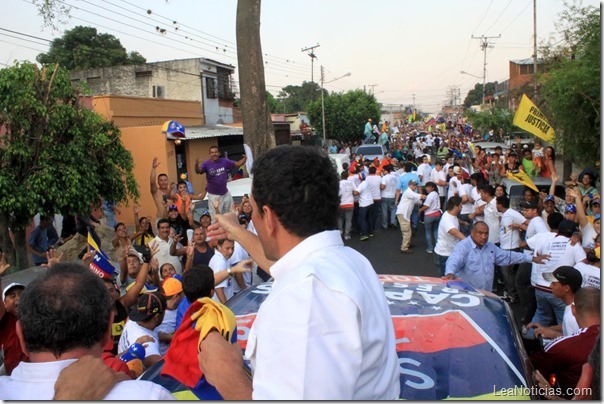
(383, 251)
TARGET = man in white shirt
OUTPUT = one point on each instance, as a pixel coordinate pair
(409, 200)
(320, 334)
(388, 190)
(448, 234)
(424, 170)
(162, 242)
(365, 206)
(66, 294)
(143, 319)
(374, 181)
(509, 240)
(439, 177)
(220, 262)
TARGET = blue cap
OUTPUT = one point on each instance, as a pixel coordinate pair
(570, 208)
(549, 198)
(205, 213)
(597, 217)
(172, 207)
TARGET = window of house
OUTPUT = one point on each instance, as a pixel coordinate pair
(211, 90)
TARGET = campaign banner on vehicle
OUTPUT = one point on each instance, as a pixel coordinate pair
(532, 120)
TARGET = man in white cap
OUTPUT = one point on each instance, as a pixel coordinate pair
(11, 295)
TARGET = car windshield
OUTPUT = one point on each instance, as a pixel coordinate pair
(370, 150)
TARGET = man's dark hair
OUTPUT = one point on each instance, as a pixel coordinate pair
(554, 219)
(222, 240)
(163, 220)
(198, 282)
(388, 167)
(478, 177)
(181, 182)
(372, 170)
(300, 185)
(503, 201)
(486, 188)
(65, 308)
(162, 175)
(453, 202)
(408, 167)
(344, 175)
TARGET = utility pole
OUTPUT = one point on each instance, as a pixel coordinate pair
(535, 48)
(323, 105)
(312, 59)
(372, 88)
(413, 99)
(484, 44)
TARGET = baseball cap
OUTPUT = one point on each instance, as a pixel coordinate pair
(549, 198)
(595, 202)
(513, 154)
(597, 217)
(529, 205)
(456, 169)
(148, 305)
(9, 287)
(566, 275)
(171, 286)
(205, 213)
(172, 207)
(570, 208)
(243, 218)
(412, 182)
(133, 253)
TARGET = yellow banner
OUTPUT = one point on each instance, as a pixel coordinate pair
(529, 118)
(524, 179)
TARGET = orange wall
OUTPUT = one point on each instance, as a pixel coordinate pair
(140, 121)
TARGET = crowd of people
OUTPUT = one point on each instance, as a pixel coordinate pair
(543, 252)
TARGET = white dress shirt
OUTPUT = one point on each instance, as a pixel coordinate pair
(325, 331)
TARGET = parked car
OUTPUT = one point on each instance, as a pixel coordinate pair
(515, 190)
(371, 151)
(452, 341)
(237, 188)
(525, 139)
(489, 147)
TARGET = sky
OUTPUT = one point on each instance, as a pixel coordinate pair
(406, 52)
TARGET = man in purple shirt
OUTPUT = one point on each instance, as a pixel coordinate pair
(217, 169)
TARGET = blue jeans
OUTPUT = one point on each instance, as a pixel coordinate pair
(388, 208)
(441, 263)
(550, 309)
(431, 228)
(364, 215)
(415, 218)
(465, 229)
(374, 215)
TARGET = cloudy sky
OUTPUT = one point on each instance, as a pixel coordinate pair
(402, 50)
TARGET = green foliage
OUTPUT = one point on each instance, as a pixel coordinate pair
(56, 155)
(570, 90)
(296, 98)
(274, 105)
(474, 96)
(345, 114)
(84, 48)
(492, 119)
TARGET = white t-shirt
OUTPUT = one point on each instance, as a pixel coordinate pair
(408, 200)
(510, 239)
(536, 225)
(561, 253)
(167, 326)
(466, 207)
(432, 201)
(346, 196)
(218, 264)
(423, 171)
(239, 254)
(325, 331)
(477, 203)
(365, 198)
(569, 322)
(446, 242)
(131, 332)
(374, 182)
(163, 254)
(491, 218)
(454, 187)
(390, 182)
(36, 381)
(436, 176)
(588, 236)
(590, 275)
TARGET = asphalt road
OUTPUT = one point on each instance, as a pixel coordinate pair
(383, 251)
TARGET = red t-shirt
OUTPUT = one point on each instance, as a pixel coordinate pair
(8, 338)
(565, 356)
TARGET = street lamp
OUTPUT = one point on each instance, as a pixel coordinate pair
(323, 98)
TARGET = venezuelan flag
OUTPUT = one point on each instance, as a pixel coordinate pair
(100, 265)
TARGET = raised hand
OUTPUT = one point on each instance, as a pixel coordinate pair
(4, 265)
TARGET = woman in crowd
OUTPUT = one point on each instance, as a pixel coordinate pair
(143, 233)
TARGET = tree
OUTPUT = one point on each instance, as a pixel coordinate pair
(84, 48)
(56, 156)
(259, 132)
(491, 119)
(296, 98)
(474, 96)
(274, 105)
(570, 90)
(345, 114)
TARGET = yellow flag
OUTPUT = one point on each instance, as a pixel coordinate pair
(522, 178)
(529, 118)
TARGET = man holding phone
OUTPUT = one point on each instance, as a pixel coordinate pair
(159, 191)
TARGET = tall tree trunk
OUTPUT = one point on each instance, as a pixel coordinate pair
(17, 257)
(258, 130)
